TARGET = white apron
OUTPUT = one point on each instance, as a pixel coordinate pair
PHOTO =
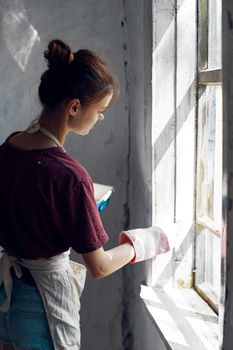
(60, 283)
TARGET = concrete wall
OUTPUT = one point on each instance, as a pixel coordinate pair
(139, 331)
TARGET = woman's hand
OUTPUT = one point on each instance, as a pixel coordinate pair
(147, 242)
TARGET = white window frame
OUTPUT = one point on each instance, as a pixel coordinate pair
(172, 289)
(207, 77)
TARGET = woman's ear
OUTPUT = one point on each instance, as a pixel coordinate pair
(73, 106)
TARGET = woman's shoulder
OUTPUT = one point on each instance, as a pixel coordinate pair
(71, 167)
(52, 163)
(71, 176)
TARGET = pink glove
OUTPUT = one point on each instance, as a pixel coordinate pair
(147, 242)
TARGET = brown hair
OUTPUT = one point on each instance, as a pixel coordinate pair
(84, 75)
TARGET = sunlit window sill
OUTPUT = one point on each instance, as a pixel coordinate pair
(183, 318)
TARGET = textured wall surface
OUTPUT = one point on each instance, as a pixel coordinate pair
(140, 333)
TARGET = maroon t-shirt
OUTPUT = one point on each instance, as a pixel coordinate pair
(47, 204)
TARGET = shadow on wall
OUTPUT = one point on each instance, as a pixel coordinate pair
(177, 255)
(174, 137)
(166, 10)
(167, 135)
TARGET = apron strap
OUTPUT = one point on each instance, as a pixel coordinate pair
(6, 262)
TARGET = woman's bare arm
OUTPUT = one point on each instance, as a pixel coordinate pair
(101, 263)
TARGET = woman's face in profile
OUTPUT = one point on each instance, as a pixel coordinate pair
(88, 115)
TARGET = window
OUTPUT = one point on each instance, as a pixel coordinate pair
(187, 173)
(207, 280)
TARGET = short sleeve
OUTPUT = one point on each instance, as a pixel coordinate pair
(86, 229)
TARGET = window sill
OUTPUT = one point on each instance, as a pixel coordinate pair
(184, 319)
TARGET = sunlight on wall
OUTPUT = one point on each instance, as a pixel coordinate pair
(19, 35)
(163, 82)
(173, 142)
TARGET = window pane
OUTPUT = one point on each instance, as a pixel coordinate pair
(203, 34)
(209, 164)
(208, 264)
(214, 46)
(209, 34)
(209, 192)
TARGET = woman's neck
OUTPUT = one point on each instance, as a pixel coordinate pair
(56, 123)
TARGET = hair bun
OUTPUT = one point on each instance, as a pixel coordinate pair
(58, 53)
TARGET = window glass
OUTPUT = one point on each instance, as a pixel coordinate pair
(209, 193)
(214, 35)
(209, 170)
(209, 34)
(208, 268)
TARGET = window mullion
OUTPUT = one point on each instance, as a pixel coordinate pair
(210, 77)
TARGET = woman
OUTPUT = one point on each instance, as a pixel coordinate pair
(48, 206)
